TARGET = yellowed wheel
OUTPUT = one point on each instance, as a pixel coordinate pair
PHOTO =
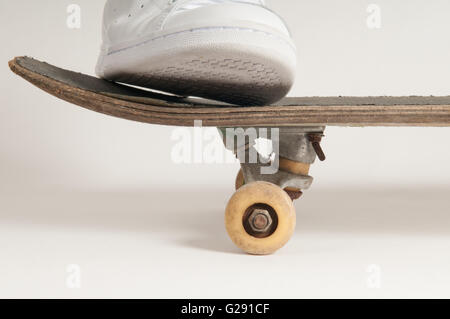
(260, 218)
(239, 180)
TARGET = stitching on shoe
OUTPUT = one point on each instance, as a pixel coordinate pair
(198, 30)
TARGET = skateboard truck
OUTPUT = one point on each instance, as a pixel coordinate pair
(262, 206)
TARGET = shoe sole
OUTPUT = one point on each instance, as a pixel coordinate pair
(234, 65)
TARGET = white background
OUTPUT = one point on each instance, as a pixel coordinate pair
(81, 188)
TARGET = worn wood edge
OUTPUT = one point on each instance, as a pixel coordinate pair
(401, 115)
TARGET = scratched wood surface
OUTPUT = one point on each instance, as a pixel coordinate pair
(154, 108)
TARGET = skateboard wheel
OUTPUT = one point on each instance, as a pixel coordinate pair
(260, 218)
(239, 180)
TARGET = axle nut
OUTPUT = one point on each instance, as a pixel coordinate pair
(260, 220)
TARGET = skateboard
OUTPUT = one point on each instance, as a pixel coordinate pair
(260, 216)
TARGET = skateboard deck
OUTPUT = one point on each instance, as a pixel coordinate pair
(156, 108)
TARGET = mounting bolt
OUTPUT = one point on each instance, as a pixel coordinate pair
(315, 139)
(260, 220)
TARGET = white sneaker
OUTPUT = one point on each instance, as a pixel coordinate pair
(238, 52)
